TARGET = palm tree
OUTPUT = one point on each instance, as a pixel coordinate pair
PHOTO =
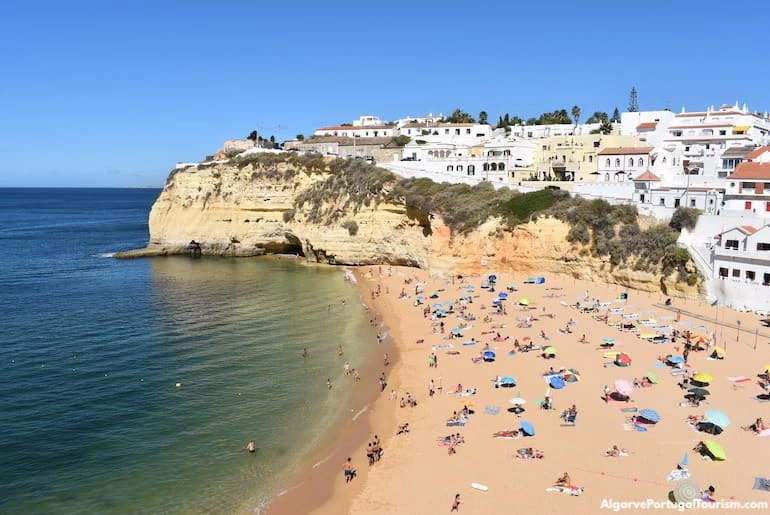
(483, 117)
(576, 115)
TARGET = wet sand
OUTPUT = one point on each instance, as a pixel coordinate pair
(416, 475)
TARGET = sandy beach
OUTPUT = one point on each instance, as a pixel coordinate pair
(418, 475)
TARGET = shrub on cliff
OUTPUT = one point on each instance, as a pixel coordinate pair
(684, 217)
(351, 226)
(520, 207)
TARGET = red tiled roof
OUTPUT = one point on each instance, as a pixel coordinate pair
(757, 152)
(748, 229)
(647, 176)
(646, 125)
(751, 170)
(624, 151)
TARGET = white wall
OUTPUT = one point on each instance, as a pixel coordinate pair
(619, 191)
(414, 169)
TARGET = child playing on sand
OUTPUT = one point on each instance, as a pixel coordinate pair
(456, 504)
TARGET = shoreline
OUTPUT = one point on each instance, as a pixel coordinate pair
(317, 486)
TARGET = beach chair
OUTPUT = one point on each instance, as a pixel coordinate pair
(569, 421)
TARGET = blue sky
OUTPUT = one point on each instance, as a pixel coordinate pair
(114, 93)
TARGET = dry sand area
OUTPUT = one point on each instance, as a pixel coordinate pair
(418, 476)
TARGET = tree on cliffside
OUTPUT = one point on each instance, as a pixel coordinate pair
(300, 137)
(459, 116)
(252, 136)
(483, 117)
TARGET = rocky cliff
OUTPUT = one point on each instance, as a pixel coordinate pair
(254, 209)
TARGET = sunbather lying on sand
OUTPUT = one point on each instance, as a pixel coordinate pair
(529, 453)
(616, 452)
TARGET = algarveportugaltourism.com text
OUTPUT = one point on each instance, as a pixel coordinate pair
(651, 504)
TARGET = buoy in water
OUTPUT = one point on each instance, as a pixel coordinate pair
(179, 385)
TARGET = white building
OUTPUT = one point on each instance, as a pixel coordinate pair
(354, 131)
(741, 262)
(547, 131)
(748, 189)
(426, 119)
(620, 164)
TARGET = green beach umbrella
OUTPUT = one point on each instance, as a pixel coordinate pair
(653, 377)
(715, 450)
(524, 301)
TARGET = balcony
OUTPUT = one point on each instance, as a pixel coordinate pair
(732, 254)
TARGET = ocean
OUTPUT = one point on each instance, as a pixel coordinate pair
(133, 386)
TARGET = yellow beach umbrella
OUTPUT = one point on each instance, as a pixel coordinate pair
(715, 450)
(720, 351)
(703, 377)
(524, 301)
(549, 350)
(611, 354)
(767, 367)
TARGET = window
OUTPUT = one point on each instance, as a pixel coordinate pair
(662, 202)
(457, 132)
(641, 198)
(471, 169)
(617, 162)
(763, 246)
(596, 144)
(501, 166)
(736, 273)
(631, 162)
(467, 131)
(747, 205)
(723, 133)
(446, 131)
(590, 158)
(486, 167)
(723, 272)
(664, 159)
(449, 168)
(686, 149)
(676, 133)
(641, 162)
(545, 147)
(676, 202)
(493, 167)
(459, 168)
(607, 163)
(767, 206)
(692, 202)
(606, 177)
(750, 275)
(766, 279)
(731, 244)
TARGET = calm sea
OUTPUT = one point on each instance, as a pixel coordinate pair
(133, 386)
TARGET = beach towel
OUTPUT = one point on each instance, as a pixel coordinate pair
(761, 483)
(444, 346)
(677, 372)
(739, 379)
(469, 343)
(659, 365)
(571, 489)
(639, 428)
(628, 410)
(492, 410)
(452, 423)
(678, 474)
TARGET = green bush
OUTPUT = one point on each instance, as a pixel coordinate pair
(351, 226)
(521, 207)
(684, 217)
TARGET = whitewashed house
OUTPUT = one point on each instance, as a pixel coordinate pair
(618, 164)
(352, 131)
(748, 190)
(742, 255)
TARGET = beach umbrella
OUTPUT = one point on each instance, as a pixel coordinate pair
(653, 377)
(675, 359)
(457, 330)
(624, 387)
(649, 415)
(436, 305)
(449, 303)
(467, 403)
(440, 312)
(556, 382)
(623, 360)
(717, 417)
(550, 351)
(767, 368)
(496, 302)
(527, 428)
(502, 295)
(702, 377)
(715, 450)
(684, 492)
(571, 375)
(508, 380)
(700, 392)
(489, 356)
(524, 301)
(720, 351)
(709, 427)
(608, 340)
(419, 297)
(517, 400)
(434, 295)
(492, 278)
(469, 287)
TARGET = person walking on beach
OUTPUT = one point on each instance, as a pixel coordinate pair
(606, 394)
(348, 470)
(456, 504)
(386, 360)
(329, 383)
(383, 382)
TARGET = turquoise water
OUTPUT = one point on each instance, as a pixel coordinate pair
(93, 348)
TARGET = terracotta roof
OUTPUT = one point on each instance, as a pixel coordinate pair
(646, 125)
(647, 176)
(624, 151)
(748, 229)
(757, 152)
(751, 170)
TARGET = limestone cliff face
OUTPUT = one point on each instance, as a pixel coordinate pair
(251, 210)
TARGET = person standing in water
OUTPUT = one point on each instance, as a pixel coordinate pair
(329, 383)
(304, 352)
(251, 446)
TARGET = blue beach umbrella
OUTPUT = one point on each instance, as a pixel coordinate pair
(419, 297)
(489, 356)
(469, 287)
(649, 415)
(608, 340)
(449, 303)
(527, 428)
(556, 382)
(718, 418)
(508, 380)
(492, 278)
(496, 302)
(502, 295)
(676, 359)
(440, 312)
(436, 305)
(457, 330)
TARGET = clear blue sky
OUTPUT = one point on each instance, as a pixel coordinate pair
(114, 93)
